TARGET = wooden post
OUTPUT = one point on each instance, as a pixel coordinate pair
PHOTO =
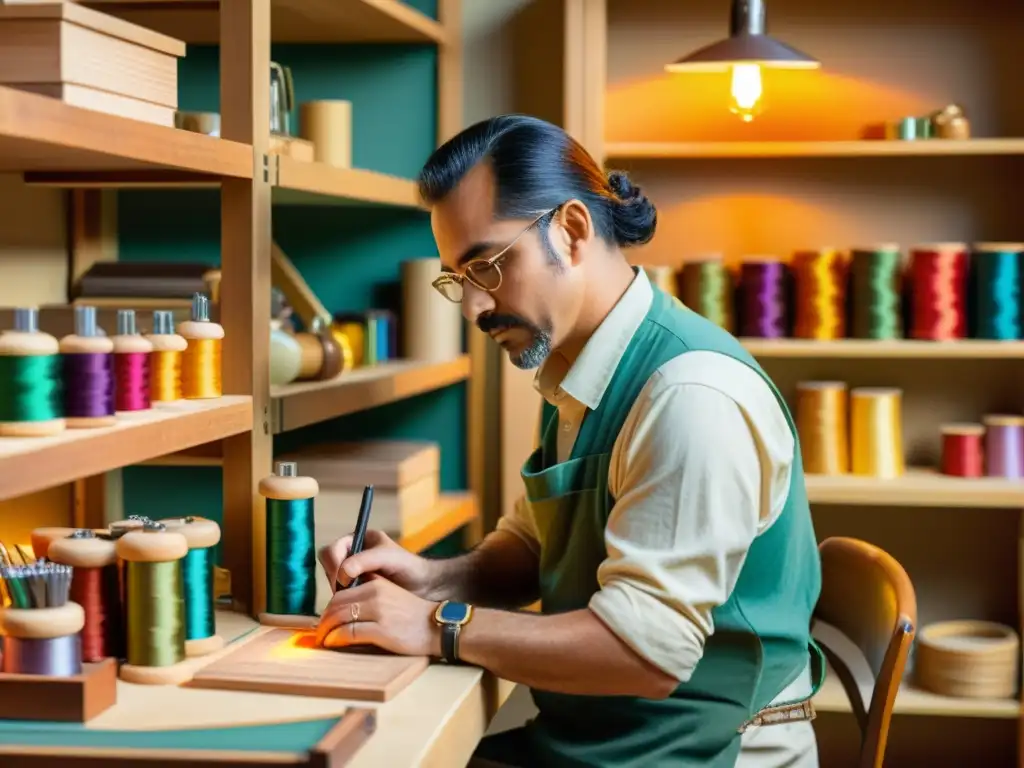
(245, 289)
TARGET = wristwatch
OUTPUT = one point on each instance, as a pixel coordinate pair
(452, 617)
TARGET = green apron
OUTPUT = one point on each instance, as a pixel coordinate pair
(761, 641)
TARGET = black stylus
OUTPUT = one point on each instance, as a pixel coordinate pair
(362, 522)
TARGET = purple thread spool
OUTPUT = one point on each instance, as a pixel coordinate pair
(88, 373)
(1004, 446)
(762, 288)
(53, 656)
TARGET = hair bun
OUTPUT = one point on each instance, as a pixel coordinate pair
(623, 188)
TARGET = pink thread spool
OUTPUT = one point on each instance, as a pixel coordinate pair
(1004, 446)
(131, 365)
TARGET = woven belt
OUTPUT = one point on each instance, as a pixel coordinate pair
(783, 713)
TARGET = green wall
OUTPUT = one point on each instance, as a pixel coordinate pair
(350, 256)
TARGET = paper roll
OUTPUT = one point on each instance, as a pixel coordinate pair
(431, 325)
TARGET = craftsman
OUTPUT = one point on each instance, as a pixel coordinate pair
(665, 524)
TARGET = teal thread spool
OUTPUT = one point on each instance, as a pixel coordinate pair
(290, 547)
(31, 387)
(202, 535)
(996, 275)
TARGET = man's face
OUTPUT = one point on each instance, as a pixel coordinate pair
(531, 310)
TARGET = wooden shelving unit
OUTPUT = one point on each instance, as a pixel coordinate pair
(916, 488)
(695, 150)
(851, 349)
(58, 145)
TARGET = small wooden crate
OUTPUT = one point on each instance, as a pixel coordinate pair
(90, 59)
(75, 699)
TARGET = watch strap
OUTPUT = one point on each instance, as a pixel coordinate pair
(450, 642)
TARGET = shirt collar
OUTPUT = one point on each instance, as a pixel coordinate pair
(587, 379)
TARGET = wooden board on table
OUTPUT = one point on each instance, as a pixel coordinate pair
(289, 661)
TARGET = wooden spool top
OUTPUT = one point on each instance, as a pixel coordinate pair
(876, 392)
(940, 247)
(963, 429)
(201, 329)
(84, 345)
(91, 552)
(22, 344)
(199, 532)
(144, 546)
(133, 342)
(998, 247)
(42, 623)
(1003, 420)
(42, 537)
(876, 248)
(288, 488)
(970, 638)
(819, 385)
(168, 342)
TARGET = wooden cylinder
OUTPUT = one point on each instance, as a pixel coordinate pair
(328, 124)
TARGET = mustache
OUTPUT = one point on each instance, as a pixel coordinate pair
(497, 322)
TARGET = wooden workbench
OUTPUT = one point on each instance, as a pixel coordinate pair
(437, 721)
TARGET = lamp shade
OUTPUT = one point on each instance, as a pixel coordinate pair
(748, 43)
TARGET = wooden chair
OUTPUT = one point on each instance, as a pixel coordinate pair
(866, 595)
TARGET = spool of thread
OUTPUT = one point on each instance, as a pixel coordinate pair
(820, 279)
(821, 419)
(291, 545)
(968, 659)
(202, 535)
(42, 538)
(319, 353)
(31, 385)
(876, 286)
(1004, 446)
(165, 360)
(963, 453)
(431, 325)
(88, 374)
(997, 279)
(762, 289)
(131, 365)
(706, 287)
(201, 360)
(876, 432)
(938, 286)
(94, 586)
(41, 628)
(155, 608)
(660, 275)
(352, 328)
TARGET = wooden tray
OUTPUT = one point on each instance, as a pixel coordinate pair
(275, 660)
(75, 699)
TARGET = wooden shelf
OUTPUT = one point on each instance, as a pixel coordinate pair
(914, 701)
(300, 404)
(454, 511)
(291, 21)
(304, 183)
(33, 464)
(39, 133)
(861, 349)
(695, 150)
(917, 488)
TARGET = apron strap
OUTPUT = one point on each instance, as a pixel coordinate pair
(794, 710)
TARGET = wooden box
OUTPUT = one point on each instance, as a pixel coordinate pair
(60, 699)
(89, 59)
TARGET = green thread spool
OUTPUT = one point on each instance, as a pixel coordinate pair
(202, 535)
(31, 389)
(876, 274)
(706, 287)
(290, 547)
(155, 609)
(996, 282)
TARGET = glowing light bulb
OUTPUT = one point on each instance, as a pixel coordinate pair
(746, 91)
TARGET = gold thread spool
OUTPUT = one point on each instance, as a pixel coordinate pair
(201, 360)
(165, 360)
(876, 432)
(821, 423)
(155, 606)
(355, 333)
(820, 282)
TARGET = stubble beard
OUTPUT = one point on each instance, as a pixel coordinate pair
(535, 354)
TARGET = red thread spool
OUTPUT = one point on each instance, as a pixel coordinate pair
(94, 586)
(963, 454)
(131, 365)
(938, 286)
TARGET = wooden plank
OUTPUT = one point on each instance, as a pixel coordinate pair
(449, 71)
(795, 149)
(34, 463)
(245, 290)
(39, 133)
(302, 403)
(292, 21)
(296, 290)
(917, 488)
(300, 182)
(901, 350)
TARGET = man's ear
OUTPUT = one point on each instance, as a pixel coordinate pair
(576, 228)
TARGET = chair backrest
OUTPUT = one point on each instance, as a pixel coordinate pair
(868, 597)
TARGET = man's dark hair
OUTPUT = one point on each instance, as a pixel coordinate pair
(538, 166)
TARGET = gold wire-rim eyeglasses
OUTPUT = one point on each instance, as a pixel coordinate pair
(491, 263)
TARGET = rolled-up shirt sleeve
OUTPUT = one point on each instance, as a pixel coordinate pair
(691, 495)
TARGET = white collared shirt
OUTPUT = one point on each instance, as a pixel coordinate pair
(700, 468)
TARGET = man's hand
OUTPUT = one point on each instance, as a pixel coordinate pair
(380, 556)
(383, 614)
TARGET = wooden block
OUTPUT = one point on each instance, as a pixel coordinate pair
(287, 661)
(62, 699)
(101, 101)
(383, 463)
(295, 148)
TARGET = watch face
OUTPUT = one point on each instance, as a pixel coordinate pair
(453, 613)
